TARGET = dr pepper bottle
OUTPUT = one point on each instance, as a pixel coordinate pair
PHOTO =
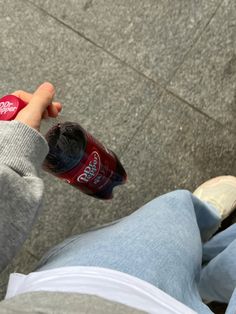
(75, 156)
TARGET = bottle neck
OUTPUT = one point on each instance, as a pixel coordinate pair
(47, 124)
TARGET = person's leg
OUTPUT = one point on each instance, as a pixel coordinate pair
(231, 309)
(218, 278)
(218, 243)
(210, 274)
(159, 243)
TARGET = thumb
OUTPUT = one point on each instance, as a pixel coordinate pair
(32, 114)
(42, 98)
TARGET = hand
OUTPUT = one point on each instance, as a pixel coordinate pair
(40, 105)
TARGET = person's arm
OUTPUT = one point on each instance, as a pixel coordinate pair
(231, 308)
(22, 151)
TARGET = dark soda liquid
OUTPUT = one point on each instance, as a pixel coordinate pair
(77, 157)
(119, 177)
(66, 147)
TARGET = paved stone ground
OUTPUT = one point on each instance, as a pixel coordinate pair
(153, 80)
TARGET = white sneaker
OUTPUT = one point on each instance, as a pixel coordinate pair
(219, 192)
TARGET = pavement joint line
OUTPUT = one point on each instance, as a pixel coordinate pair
(194, 42)
(32, 254)
(200, 111)
(195, 108)
(186, 103)
(158, 83)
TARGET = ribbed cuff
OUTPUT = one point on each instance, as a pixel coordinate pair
(22, 148)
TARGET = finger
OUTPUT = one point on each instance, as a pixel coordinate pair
(42, 97)
(58, 106)
(23, 95)
(52, 111)
(28, 96)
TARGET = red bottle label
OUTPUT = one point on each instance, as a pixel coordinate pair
(94, 170)
(91, 169)
(10, 105)
(7, 106)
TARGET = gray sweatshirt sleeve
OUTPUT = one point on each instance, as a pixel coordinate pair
(22, 151)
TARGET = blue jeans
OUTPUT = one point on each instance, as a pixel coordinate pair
(162, 243)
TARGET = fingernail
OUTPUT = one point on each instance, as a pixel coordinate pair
(48, 86)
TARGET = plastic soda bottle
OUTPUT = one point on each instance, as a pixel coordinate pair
(75, 156)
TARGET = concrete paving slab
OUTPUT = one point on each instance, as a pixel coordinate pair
(207, 78)
(101, 93)
(177, 148)
(152, 36)
(110, 100)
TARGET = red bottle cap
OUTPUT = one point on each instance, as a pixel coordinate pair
(10, 105)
